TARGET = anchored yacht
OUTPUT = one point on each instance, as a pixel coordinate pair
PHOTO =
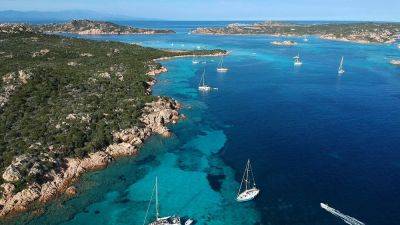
(248, 184)
(297, 60)
(168, 220)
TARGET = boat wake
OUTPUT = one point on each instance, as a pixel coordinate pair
(347, 219)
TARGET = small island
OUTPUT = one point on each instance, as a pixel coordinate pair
(365, 32)
(70, 105)
(90, 27)
(284, 43)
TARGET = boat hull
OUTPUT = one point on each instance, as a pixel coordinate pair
(204, 88)
(222, 70)
(248, 195)
(298, 63)
(170, 220)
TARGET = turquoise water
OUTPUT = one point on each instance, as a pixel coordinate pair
(312, 137)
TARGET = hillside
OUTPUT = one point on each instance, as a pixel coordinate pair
(70, 105)
(96, 27)
(355, 32)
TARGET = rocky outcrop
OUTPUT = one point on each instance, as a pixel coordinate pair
(40, 53)
(11, 28)
(159, 113)
(21, 201)
(284, 43)
(11, 81)
(28, 165)
(156, 71)
(156, 115)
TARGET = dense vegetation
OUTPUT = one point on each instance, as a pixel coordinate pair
(367, 32)
(65, 96)
(77, 26)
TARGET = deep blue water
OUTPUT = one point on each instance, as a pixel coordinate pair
(312, 136)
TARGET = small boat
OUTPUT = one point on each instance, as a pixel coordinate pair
(305, 39)
(347, 219)
(297, 60)
(168, 220)
(250, 190)
(341, 69)
(203, 86)
(189, 222)
(398, 46)
(195, 61)
(220, 67)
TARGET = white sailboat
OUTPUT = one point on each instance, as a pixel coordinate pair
(221, 67)
(195, 61)
(305, 39)
(203, 86)
(168, 220)
(297, 60)
(250, 191)
(341, 69)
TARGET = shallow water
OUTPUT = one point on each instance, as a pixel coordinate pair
(313, 136)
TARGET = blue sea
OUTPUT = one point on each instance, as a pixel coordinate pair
(312, 136)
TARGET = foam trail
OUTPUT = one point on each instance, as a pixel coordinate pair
(347, 219)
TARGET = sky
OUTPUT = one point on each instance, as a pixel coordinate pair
(371, 10)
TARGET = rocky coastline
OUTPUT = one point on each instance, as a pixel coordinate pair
(155, 116)
(363, 33)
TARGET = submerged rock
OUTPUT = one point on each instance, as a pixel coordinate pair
(71, 191)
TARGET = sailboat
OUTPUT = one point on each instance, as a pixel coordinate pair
(203, 86)
(195, 61)
(250, 190)
(305, 39)
(220, 67)
(341, 70)
(297, 60)
(168, 220)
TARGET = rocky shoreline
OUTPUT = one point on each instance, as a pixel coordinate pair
(363, 33)
(155, 116)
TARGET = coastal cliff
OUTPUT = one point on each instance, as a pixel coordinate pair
(91, 27)
(367, 32)
(71, 105)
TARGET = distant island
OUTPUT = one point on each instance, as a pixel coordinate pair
(91, 27)
(367, 32)
(70, 105)
(284, 43)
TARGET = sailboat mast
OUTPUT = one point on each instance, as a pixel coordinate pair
(252, 175)
(157, 212)
(247, 174)
(341, 63)
(243, 179)
(203, 76)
